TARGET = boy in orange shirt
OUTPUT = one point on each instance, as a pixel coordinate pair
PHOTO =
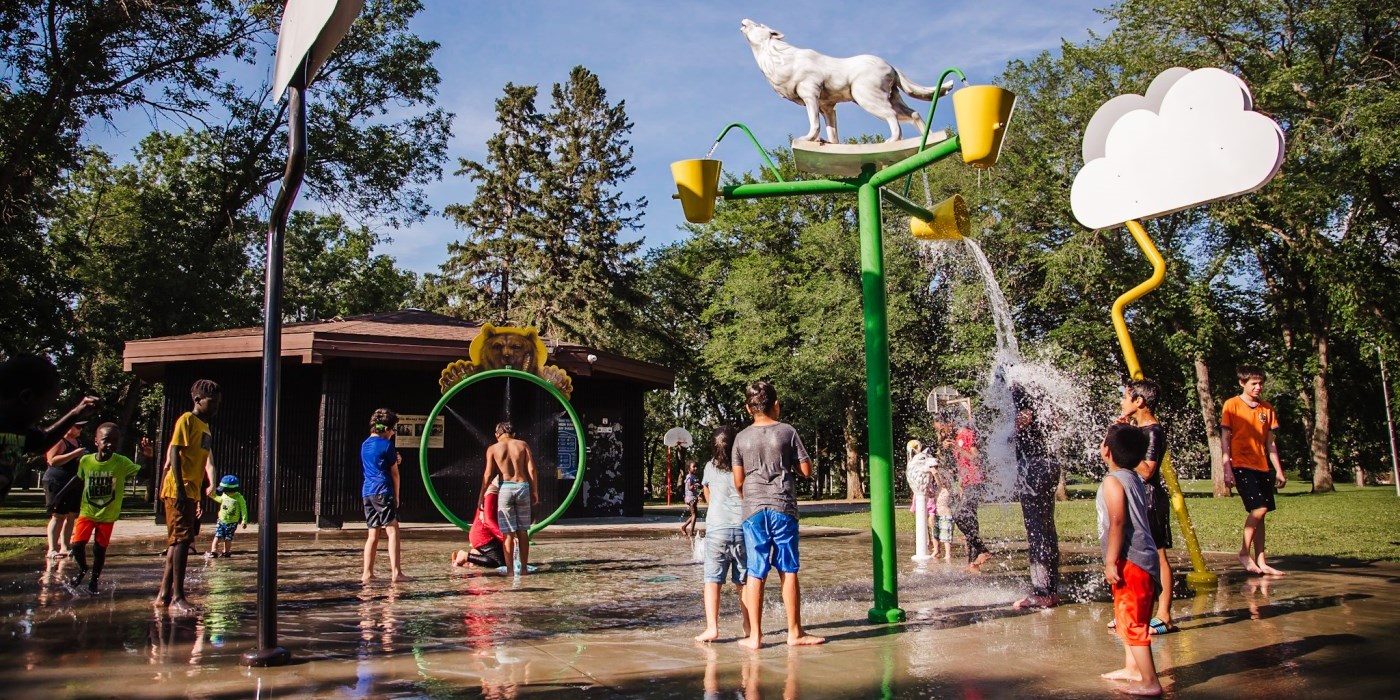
(1247, 425)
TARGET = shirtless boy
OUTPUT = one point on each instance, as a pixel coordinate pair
(510, 458)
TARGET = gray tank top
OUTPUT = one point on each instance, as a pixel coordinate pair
(1137, 536)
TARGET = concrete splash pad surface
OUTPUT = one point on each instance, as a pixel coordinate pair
(611, 615)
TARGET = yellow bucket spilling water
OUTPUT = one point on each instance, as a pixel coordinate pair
(983, 113)
(950, 222)
(697, 184)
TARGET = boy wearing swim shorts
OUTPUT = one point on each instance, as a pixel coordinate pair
(1129, 555)
(510, 459)
(233, 510)
(1247, 425)
(380, 461)
(103, 476)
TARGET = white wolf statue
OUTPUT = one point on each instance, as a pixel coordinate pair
(819, 82)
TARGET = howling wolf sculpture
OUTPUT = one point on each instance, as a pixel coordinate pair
(819, 82)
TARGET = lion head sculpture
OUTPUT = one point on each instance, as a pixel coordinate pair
(506, 347)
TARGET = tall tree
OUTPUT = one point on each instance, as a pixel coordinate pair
(332, 270)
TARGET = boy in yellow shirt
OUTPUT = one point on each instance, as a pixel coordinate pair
(188, 465)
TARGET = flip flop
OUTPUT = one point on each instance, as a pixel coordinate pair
(1156, 626)
(1113, 624)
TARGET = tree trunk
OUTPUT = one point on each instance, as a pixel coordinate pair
(853, 485)
(819, 483)
(1322, 423)
(1211, 415)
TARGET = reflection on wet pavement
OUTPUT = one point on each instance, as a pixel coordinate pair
(612, 616)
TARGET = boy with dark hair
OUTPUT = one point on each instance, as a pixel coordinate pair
(103, 477)
(767, 456)
(380, 462)
(28, 389)
(188, 465)
(1037, 475)
(511, 459)
(1139, 405)
(1247, 424)
(1129, 555)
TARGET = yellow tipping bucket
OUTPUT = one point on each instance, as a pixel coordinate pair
(697, 184)
(950, 222)
(983, 113)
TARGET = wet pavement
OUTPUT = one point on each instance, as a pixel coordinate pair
(611, 614)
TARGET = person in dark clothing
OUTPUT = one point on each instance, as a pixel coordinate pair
(28, 389)
(1037, 475)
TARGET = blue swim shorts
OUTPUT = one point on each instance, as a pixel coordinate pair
(771, 540)
(513, 509)
(225, 531)
(724, 554)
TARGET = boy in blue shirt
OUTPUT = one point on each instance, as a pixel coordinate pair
(381, 492)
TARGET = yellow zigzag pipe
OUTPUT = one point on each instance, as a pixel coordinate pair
(1200, 577)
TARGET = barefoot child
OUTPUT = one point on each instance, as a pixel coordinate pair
(380, 461)
(28, 389)
(103, 477)
(724, 533)
(692, 499)
(1130, 556)
(1247, 425)
(187, 465)
(233, 510)
(1139, 405)
(943, 515)
(485, 536)
(767, 457)
(510, 459)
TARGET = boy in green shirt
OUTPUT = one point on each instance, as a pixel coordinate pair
(103, 476)
(232, 511)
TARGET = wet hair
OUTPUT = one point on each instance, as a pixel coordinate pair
(1127, 445)
(1021, 398)
(722, 447)
(205, 389)
(1145, 389)
(691, 465)
(108, 427)
(1245, 373)
(505, 428)
(761, 396)
(383, 420)
(30, 373)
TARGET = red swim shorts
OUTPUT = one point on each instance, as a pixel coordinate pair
(1133, 597)
(84, 528)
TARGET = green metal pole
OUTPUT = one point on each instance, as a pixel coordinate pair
(756, 190)
(877, 388)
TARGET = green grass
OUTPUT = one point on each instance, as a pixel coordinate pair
(1352, 523)
(11, 547)
(26, 509)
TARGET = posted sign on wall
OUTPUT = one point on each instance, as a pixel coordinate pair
(412, 428)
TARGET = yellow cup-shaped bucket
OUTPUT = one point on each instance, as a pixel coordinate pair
(950, 222)
(983, 113)
(697, 183)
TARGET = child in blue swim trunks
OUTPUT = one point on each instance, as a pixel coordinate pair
(233, 511)
(768, 455)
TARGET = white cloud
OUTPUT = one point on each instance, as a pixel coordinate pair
(1192, 139)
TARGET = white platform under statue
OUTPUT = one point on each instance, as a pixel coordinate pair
(847, 159)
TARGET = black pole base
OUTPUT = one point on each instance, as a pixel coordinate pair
(262, 658)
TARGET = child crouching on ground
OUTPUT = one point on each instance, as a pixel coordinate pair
(1130, 555)
(233, 510)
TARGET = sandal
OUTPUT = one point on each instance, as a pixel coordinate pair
(1156, 626)
(1113, 624)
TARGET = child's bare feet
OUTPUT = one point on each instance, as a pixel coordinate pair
(805, 640)
(182, 608)
(709, 635)
(1141, 689)
(751, 643)
(160, 603)
(1122, 674)
(367, 577)
(1249, 564)
(1037, 602)
(401, 576)
(1268, 570)
(976, 565)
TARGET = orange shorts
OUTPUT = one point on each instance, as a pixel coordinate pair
(84, 528)
(1133, 599)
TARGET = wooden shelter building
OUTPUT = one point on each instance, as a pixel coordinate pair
(336, 372)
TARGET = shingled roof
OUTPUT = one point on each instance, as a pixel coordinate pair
(404, 335)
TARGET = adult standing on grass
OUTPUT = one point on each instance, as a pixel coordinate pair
(188, 465)
(60, 502)
(380, 461)
(768, 455)
(1247, 424)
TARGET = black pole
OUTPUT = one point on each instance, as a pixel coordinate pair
(268, 652)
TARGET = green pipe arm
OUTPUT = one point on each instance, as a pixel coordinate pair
(928, 123)
(907, 205)
(758, 190)
(771, 167)
(938, 152)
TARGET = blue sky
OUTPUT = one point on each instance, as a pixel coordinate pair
(685, 72)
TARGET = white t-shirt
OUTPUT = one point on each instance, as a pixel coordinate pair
(726, 509)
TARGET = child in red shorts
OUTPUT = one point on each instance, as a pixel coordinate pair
(1130, 556)
(103, 476)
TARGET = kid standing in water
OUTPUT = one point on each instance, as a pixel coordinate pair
(510, 459)
(187, 465)
(943, 514)
(724, 533)
(103, 476)
(767, 456)
(1129, 555)
(380, 461)
(692, 499)
(232, 511)
(1247, 425)
(1138, 405)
